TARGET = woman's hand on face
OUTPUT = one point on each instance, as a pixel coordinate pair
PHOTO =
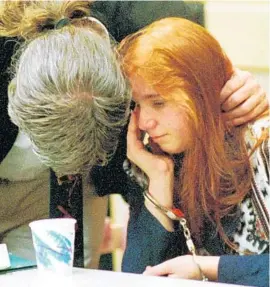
(157, 166)
(185, 267)
(154, 164)
(242, 98)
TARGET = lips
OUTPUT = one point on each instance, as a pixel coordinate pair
(154, 138)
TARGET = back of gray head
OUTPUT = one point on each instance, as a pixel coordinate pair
(69, 95)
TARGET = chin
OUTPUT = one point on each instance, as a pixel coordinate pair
(173, 149)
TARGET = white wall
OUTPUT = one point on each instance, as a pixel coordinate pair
(242, 28)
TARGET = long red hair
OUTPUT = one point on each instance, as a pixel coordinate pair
(175, 55)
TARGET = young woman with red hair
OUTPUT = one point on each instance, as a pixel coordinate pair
(200, 176)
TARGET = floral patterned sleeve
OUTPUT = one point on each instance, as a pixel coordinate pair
(252, 236)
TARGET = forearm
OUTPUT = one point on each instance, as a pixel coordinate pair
(236, 269)
(149, 243)
(244, 270)
(161, 188)
(209, 266)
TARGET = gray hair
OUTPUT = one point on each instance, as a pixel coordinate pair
(70, 97)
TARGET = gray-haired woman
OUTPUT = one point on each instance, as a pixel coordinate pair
(69, 96)
(68, 93)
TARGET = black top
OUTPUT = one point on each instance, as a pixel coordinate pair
(125, 17)
(8, 131)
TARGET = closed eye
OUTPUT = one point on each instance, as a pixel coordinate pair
(158, 103)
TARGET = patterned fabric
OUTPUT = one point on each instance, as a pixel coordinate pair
(135, 174)
(252, 234)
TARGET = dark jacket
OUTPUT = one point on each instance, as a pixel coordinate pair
(148, 243)
(8, 131)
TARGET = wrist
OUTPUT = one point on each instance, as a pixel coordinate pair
(163, 168)
(209, 266)
(162, 190)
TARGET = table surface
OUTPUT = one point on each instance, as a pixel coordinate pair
(94, 278)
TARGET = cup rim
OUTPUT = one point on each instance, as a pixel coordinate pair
(52, 222)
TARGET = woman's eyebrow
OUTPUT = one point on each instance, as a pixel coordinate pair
(151, 96)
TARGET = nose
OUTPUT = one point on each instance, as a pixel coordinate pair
(146, 119)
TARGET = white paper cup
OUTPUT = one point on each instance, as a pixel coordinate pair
(53, 241)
